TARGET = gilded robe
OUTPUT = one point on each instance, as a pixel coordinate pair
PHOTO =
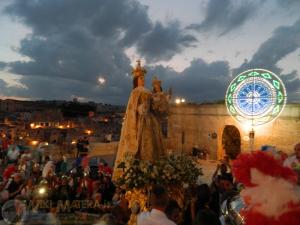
(141, 135)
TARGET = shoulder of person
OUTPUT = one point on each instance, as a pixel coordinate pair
(169, 222)
(141, 217)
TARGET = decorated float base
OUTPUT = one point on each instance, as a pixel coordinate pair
(175, 173)
(139, 200)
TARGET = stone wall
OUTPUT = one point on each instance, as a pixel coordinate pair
(106, 151)
(203, 125)
(100, 148)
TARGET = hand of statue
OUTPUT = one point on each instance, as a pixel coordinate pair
(145, 97)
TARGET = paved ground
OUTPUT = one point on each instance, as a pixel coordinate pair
(208, 169)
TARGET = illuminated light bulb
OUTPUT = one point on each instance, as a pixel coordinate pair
(34, 142)
(101, 80)
(42, 191)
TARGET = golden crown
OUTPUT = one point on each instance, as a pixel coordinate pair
(138, 70)
(155, 80)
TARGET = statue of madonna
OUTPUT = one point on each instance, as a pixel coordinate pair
(141, 135)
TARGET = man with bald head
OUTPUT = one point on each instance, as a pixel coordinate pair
(293, 161)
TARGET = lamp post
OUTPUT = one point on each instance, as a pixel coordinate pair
(179, 101)
(182, 141)
(251, 140)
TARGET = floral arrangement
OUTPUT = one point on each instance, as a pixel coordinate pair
(169, 171)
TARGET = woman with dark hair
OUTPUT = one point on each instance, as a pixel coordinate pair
(141, 135)
(173, 212)
(200, 200)
(207, 217)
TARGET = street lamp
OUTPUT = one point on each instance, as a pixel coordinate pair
(251, 139)
(89, 132)
(180, 101)
(101, 80)
(34, 142)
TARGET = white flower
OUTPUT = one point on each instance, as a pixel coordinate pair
(199, 181)
(185, 185)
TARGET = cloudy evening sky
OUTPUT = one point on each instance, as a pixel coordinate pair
(58, 49)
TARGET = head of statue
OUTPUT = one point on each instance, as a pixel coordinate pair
(138, 74)
(156, 84)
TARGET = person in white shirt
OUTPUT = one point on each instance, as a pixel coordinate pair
(293, 161)
(13, 153)
(48, 169)
(156, 216)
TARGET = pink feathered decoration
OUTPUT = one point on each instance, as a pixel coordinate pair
(263, 162)
(255, 218)
(268, 173)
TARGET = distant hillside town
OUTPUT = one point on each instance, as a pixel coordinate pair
(59, 122)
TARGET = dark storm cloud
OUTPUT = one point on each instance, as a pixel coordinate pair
(3, 84)
(225, 15)
(3, 65)
(47, 88)
(5, 89)
(292, 85)
(285, 40)
(104, 18)
(163, 42)
(73, 54)
(73, 42)
(289, 4)
(203, 81)
(69, 64)
(200, 82)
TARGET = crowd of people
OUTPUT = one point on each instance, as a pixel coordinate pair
(84, 189)
(82, 146)
(204, 203)
(56, 185)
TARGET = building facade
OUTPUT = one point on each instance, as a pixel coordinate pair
(210, 127)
